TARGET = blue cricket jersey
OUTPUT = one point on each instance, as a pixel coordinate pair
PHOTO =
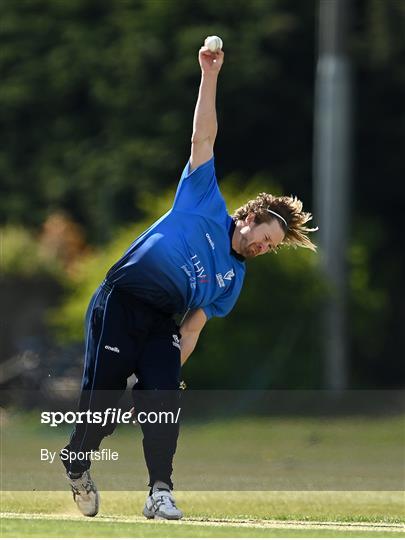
(185, 259)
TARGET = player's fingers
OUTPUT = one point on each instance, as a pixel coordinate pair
(206, 52)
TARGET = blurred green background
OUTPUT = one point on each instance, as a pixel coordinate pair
(96, 106)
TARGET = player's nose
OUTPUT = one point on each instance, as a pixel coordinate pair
(261, 248)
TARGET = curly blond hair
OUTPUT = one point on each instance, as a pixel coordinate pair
(290, 208)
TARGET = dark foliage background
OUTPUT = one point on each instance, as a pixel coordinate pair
(96, 104)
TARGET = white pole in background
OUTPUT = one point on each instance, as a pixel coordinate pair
(332, 146)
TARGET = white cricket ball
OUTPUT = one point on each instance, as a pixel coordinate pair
(214, 43)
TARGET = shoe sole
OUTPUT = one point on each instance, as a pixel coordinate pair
(156, 516)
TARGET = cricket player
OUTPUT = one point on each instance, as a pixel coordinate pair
(192, 260)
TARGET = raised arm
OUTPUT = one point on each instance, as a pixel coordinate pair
(190, 331)
(205, 117)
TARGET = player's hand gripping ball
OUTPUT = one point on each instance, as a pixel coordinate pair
(211, 56)
(213, 43)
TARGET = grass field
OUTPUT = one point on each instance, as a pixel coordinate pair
(247, 453)
(221, 514)
(258, 477)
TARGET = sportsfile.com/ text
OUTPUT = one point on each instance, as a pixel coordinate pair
(109, 416)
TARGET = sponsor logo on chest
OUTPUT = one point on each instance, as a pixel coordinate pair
(191, 278)
(221, 278)
(211, 243)
(229, 275)
(199, 269)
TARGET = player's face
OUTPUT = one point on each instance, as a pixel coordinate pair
(258, 239)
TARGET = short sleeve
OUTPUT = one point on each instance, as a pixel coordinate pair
(221, 307)
(198, 191)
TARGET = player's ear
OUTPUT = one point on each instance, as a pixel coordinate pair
(250, 218)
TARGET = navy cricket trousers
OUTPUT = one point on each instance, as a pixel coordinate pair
(126, 336)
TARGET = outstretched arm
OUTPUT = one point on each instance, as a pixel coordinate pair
(190, 331)
(205, 117)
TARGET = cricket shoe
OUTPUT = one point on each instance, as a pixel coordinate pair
(85, 494)
(161, 505)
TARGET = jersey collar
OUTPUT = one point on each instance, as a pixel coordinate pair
(232, 227)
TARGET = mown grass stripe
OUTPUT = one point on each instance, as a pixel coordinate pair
(278, 524)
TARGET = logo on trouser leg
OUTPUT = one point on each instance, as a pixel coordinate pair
(113, 349)
(176, 341)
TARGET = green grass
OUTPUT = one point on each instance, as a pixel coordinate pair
(40, 529)
(263, 454)
(227, 514)
(258, 477)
